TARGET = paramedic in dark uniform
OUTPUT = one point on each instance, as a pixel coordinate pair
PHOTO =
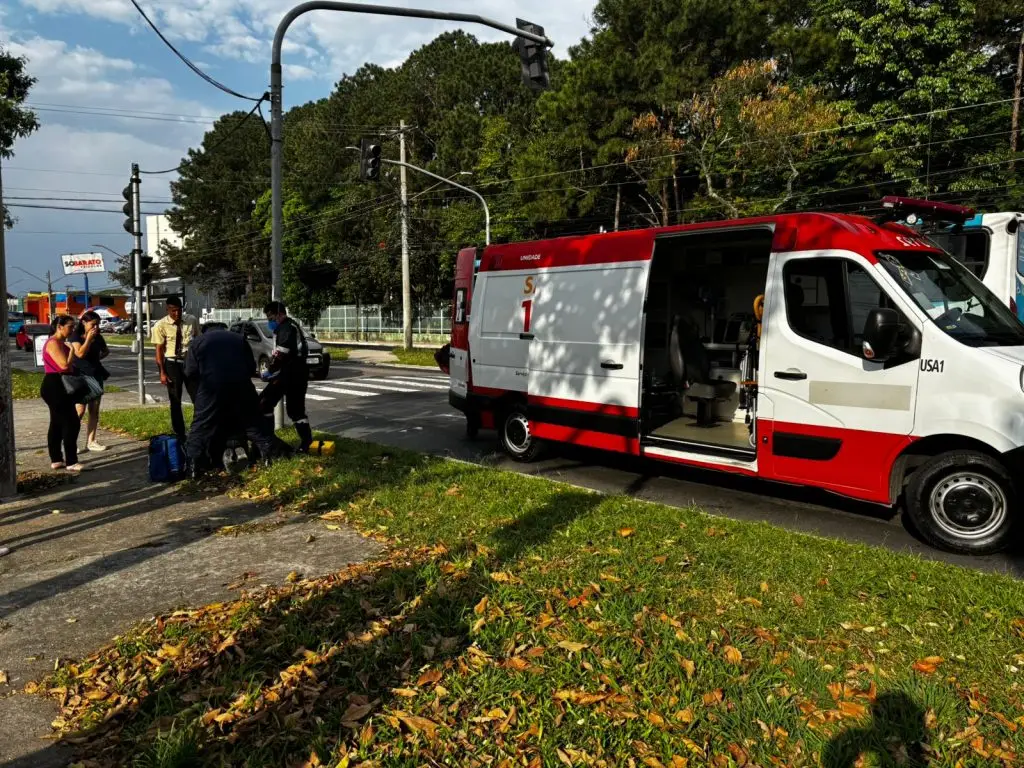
(288, 375)
(222, 365)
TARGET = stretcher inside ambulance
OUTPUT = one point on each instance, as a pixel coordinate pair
(817, 349)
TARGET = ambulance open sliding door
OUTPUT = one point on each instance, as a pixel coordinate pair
(585, 324)
(459, 370)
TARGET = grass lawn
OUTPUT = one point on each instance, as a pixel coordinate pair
(518, 622)
(143, 423)
(424, 357)
(120, 340)
(25, 384)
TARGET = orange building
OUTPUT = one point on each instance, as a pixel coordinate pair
(73, 303)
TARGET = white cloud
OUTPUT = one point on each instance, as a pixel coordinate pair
(299, 72)
(243, 29)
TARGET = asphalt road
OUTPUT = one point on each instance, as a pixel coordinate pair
(409, 409)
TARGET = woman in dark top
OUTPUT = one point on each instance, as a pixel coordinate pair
(89, 349)
(64, 423)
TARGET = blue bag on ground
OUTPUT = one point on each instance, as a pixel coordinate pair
(166, 459)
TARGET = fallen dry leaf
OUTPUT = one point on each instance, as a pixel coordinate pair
(356, 712)
(293, 577)
(764, 586)
(679, 762)
(429, 677)
(798, 600)
(928, 664)
(626, 532)
(661, 559)
(685, 716)
(732, 655)
(572, 647)
(655, 719)
(852, 709)
(416, 724)
(4, 679)
(714, 697)
(408, 693)
(688, 667)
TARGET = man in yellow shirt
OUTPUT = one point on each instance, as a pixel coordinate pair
(171, 337)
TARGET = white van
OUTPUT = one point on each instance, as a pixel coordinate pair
(817, 349)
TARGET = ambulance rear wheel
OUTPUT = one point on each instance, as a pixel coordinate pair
(516, 438)
(963, 501)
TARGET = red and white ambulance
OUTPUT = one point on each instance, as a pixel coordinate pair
(817, 349)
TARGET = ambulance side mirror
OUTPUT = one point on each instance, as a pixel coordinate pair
(881, 333)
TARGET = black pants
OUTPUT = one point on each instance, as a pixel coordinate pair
(176, 383)
(291, 385)
(227, 411)
(64, 422)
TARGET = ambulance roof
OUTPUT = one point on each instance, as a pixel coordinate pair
(791, 232)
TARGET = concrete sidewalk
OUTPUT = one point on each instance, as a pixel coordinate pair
(98, 552)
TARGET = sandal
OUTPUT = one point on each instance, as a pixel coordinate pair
(76, 468)
(57, 465)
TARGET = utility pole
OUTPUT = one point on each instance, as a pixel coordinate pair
(8, 461)
(51, 300)
(406, 277)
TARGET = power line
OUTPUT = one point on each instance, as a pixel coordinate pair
(188, 62)
(224, 138)
(70, 208)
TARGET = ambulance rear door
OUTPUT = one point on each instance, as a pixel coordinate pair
(585, 325)
(459, 372)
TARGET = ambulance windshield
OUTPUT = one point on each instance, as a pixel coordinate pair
(954, 298)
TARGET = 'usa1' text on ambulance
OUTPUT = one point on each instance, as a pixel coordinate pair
(825, 350)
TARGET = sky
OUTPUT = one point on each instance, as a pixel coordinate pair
(109, 93)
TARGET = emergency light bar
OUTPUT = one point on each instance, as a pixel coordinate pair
(914, 209)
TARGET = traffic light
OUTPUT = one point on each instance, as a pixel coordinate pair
(533, 57)
(369, 160)
(128, 193)
(146, 276)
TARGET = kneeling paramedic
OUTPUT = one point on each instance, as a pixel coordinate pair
(222, 364)
(287, 375)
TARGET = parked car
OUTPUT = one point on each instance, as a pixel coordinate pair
(213, 325)
(258, 334)
(24, 338)
(15, 320)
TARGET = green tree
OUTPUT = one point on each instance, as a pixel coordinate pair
(215, 196)
(16, 120)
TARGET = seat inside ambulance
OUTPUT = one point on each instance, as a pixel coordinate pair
(698, 323)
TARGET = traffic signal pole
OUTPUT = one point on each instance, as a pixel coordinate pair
(406, 276)
(136, 232)
(524, 31)
(8, 462)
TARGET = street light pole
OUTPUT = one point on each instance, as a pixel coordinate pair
(8, 462)
(477, 195)
(277, 116)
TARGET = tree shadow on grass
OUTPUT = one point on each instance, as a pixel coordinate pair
(896, 733)
(301, 669)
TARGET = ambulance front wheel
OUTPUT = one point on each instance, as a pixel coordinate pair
(516, 438)
(963, 501)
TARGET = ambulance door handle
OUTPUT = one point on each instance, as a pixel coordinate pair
(791, 375)
(611, 366)
(526, 336)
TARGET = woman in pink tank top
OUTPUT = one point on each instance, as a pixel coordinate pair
(64, 421)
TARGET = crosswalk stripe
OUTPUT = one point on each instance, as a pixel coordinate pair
(419, 383)
(317, 397)
(341, 391)
(384, 387)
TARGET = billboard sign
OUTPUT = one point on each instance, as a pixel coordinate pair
(82, 263)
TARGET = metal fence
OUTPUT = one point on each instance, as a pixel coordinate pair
(349, 322)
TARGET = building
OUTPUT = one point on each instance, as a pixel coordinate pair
(73, 303)
(158, 230)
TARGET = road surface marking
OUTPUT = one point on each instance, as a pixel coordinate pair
(340, 391)
(373, 385)
(317, 397)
